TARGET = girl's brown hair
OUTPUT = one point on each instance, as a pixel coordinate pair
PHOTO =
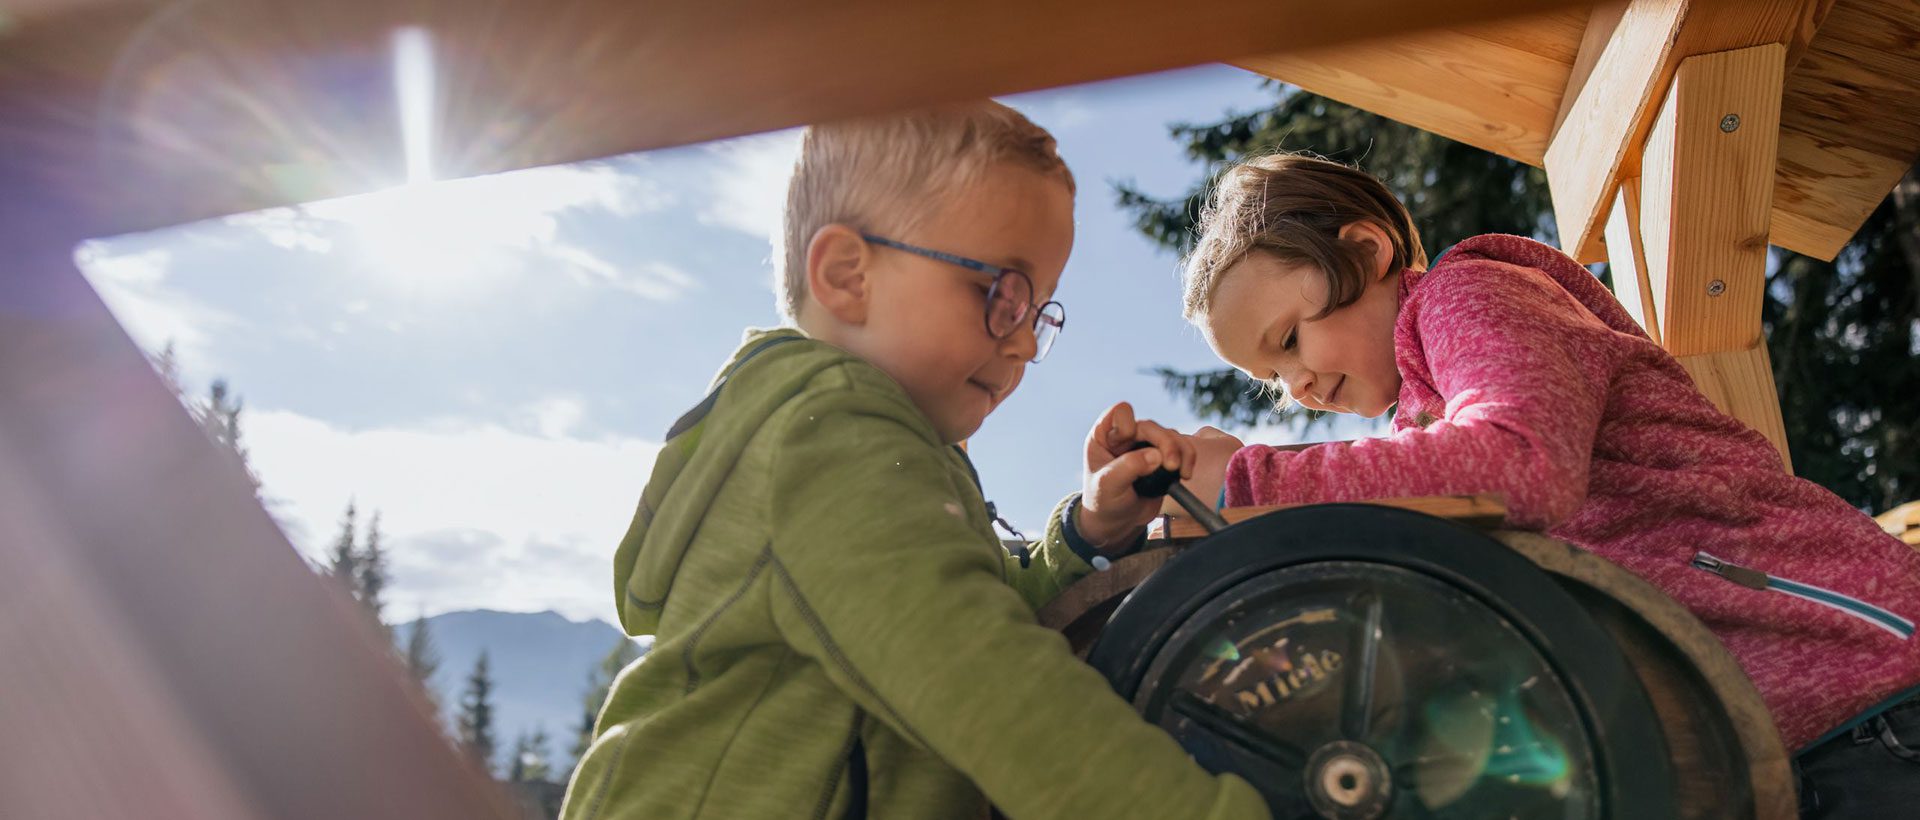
(1292, 206)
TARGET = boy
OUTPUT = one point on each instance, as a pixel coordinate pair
(838, 630)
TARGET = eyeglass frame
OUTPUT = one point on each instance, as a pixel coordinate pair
(995, 271)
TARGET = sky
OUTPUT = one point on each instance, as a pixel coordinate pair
(491, 363)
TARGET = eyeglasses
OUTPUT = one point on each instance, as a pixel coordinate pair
(1009, 299)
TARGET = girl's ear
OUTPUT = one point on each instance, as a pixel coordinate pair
(1370, 233)
(838, 264)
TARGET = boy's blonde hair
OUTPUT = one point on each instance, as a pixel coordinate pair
(886, 174)
(1293, 206)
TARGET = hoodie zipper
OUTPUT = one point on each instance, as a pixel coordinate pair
(1750, 578)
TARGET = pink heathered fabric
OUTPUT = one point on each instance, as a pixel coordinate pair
(1521, 375)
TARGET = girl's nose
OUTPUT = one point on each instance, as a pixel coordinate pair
(1298, 383)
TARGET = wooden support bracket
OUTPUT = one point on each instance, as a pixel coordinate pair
(1627, 256)
(1620, 78)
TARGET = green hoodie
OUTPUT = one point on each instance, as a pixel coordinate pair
(836, 621)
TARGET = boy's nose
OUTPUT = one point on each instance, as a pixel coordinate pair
(1020, 344)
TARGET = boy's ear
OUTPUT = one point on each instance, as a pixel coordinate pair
(837, 268)
(1370, 233)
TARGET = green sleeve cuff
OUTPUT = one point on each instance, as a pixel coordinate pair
(1081, 546)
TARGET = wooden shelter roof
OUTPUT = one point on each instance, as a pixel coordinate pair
(1849, 120)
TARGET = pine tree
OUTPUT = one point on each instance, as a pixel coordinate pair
(423, 659)
(1844, 336)
(218, 416)
(344, 566)
(599, 683)
(530, 763)
(371, 572)
(167, 364)
(476, 715)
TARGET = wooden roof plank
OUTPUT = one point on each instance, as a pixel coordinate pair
(1480, 85)
(531, 82)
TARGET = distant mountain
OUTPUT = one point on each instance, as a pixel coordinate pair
(540, 662)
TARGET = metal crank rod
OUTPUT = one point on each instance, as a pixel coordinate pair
(1165, 482)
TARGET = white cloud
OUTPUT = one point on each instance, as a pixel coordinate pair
(556, 416)
(135, 289)
(290, 228)
(749, 185)
(650, 280)
(474, 515)
(463, 233)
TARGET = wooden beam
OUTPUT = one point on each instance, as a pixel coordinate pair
(1609, 113)
(1707, 198)
(1900, 519)
(166, 652)
(1602, 21)
(1627, 259)
(1495, 85)
(236, 105)
(1850, 123)
(1740, 383)
(1485, 511)
(1598, 119)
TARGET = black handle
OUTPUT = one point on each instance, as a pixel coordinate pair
(1167, 482)
(1156, 483)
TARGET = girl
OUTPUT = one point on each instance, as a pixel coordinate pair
(1510, 369)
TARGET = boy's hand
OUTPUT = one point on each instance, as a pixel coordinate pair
(1111, 514)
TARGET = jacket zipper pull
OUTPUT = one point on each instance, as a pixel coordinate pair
(1749, 578)
(1895, 625)
(1021, 552)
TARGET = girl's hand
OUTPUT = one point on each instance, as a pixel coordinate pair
(1213, 448)
(1111, 514)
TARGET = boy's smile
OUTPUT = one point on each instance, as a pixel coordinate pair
(1262, 323)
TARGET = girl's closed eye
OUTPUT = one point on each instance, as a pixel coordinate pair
(1288, 343)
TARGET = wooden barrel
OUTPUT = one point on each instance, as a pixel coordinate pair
(1720, 737)
(1725, 756)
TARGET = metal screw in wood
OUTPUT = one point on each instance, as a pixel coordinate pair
(1730, 123)
(1716, 287)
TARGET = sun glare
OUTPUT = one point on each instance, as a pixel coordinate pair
(413, 90)
(422, 235)
(432, 237)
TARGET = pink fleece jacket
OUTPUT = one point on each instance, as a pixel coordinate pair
(1521, 375)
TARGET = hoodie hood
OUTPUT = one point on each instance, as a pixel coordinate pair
(770, 368)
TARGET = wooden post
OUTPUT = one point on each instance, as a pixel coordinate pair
(1707, 197)
(1688, 238)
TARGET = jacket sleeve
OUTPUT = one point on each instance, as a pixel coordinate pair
(1060, 558)
(878, 576)
(1524, 370)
